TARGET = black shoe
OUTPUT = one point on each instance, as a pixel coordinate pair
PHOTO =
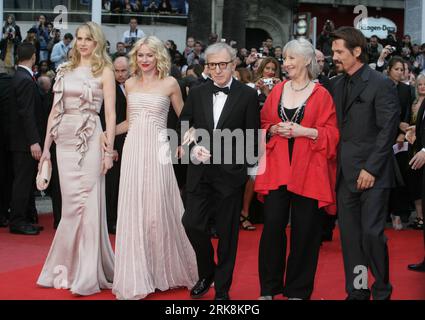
(40, 228)
(420, 267)
(326, 237)
(4, 223)
(221, 296)
(112, 229)
(213, 232)
(359, 295)
(201, 287)
(26, 229)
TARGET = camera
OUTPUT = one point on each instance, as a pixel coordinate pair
(10, 33)
(392, 49)
(259, 55)
(268, 82)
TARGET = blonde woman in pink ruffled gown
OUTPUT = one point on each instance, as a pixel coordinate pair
(152, 250)
(81, 257)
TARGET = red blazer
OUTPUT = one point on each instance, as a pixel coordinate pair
(312, 172)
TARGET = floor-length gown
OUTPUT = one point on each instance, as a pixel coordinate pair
(152, 250)
(81, 256)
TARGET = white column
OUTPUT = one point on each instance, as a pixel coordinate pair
(96, 11)
(1, 15)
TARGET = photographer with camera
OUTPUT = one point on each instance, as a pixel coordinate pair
(8, 44)
(131, 36)
(374, 49)
(324, 43)
(419, 64)
(43, 37)
(384, 57)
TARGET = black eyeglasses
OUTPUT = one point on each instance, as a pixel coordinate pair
(221, 65)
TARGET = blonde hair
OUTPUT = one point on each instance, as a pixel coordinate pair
(163, 60)
(420, 77)
(99, 58)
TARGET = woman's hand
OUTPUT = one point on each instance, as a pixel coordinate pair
(44, 157)
(411, 134)
(107, 163)
(104, 142)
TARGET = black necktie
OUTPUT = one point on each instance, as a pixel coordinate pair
(346, 93)
(225, 90)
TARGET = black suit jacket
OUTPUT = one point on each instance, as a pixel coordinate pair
(406, 100)
(121, 115)
(420, 128)
(5, 101)
(27, 115)
(241, 111)
(367, 128)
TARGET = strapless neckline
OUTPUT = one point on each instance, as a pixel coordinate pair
(149, 93)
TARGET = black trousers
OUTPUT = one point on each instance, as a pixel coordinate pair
(6, 176)
(112, 181)
(54, 188)
(213, 197)
(306, 234)
(23, 201)
(362, 218)
(399, 197)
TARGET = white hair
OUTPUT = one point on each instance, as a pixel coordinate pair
(218, 47)
(303, 48)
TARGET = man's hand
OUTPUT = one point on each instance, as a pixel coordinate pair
(200, 154)
(36, 151)
(418, 160)
(365, 180)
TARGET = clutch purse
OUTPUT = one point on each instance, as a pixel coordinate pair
(44, 175)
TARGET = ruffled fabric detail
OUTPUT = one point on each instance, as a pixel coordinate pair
(86, 108)
(88, 113)
(58, 102)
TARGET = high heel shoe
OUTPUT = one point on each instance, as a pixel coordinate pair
(417, 224)
(246, 226)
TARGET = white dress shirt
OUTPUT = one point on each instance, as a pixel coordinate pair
(219, 99)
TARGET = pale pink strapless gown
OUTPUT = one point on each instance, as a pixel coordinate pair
(152, 250)
(81, 256)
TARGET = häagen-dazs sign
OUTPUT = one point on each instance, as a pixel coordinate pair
(376, 26)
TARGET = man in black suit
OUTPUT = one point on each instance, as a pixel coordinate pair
(122, 73)
(368, 115)
(214, 186)
(26, 136)
(417, 162)
(5, 159)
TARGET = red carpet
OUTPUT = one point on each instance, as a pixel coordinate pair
(21, 259)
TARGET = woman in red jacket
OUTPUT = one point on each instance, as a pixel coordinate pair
(297, 173)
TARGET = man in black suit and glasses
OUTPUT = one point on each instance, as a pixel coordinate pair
(213, 186)
(26, 135)
(368, 115)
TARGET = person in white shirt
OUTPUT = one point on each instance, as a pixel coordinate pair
(131, 36)
(60, 50)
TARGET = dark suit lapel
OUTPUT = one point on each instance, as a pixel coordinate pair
(230, 101)
(420, 124)
(338, 96)
(358, 89)
(207, 103)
